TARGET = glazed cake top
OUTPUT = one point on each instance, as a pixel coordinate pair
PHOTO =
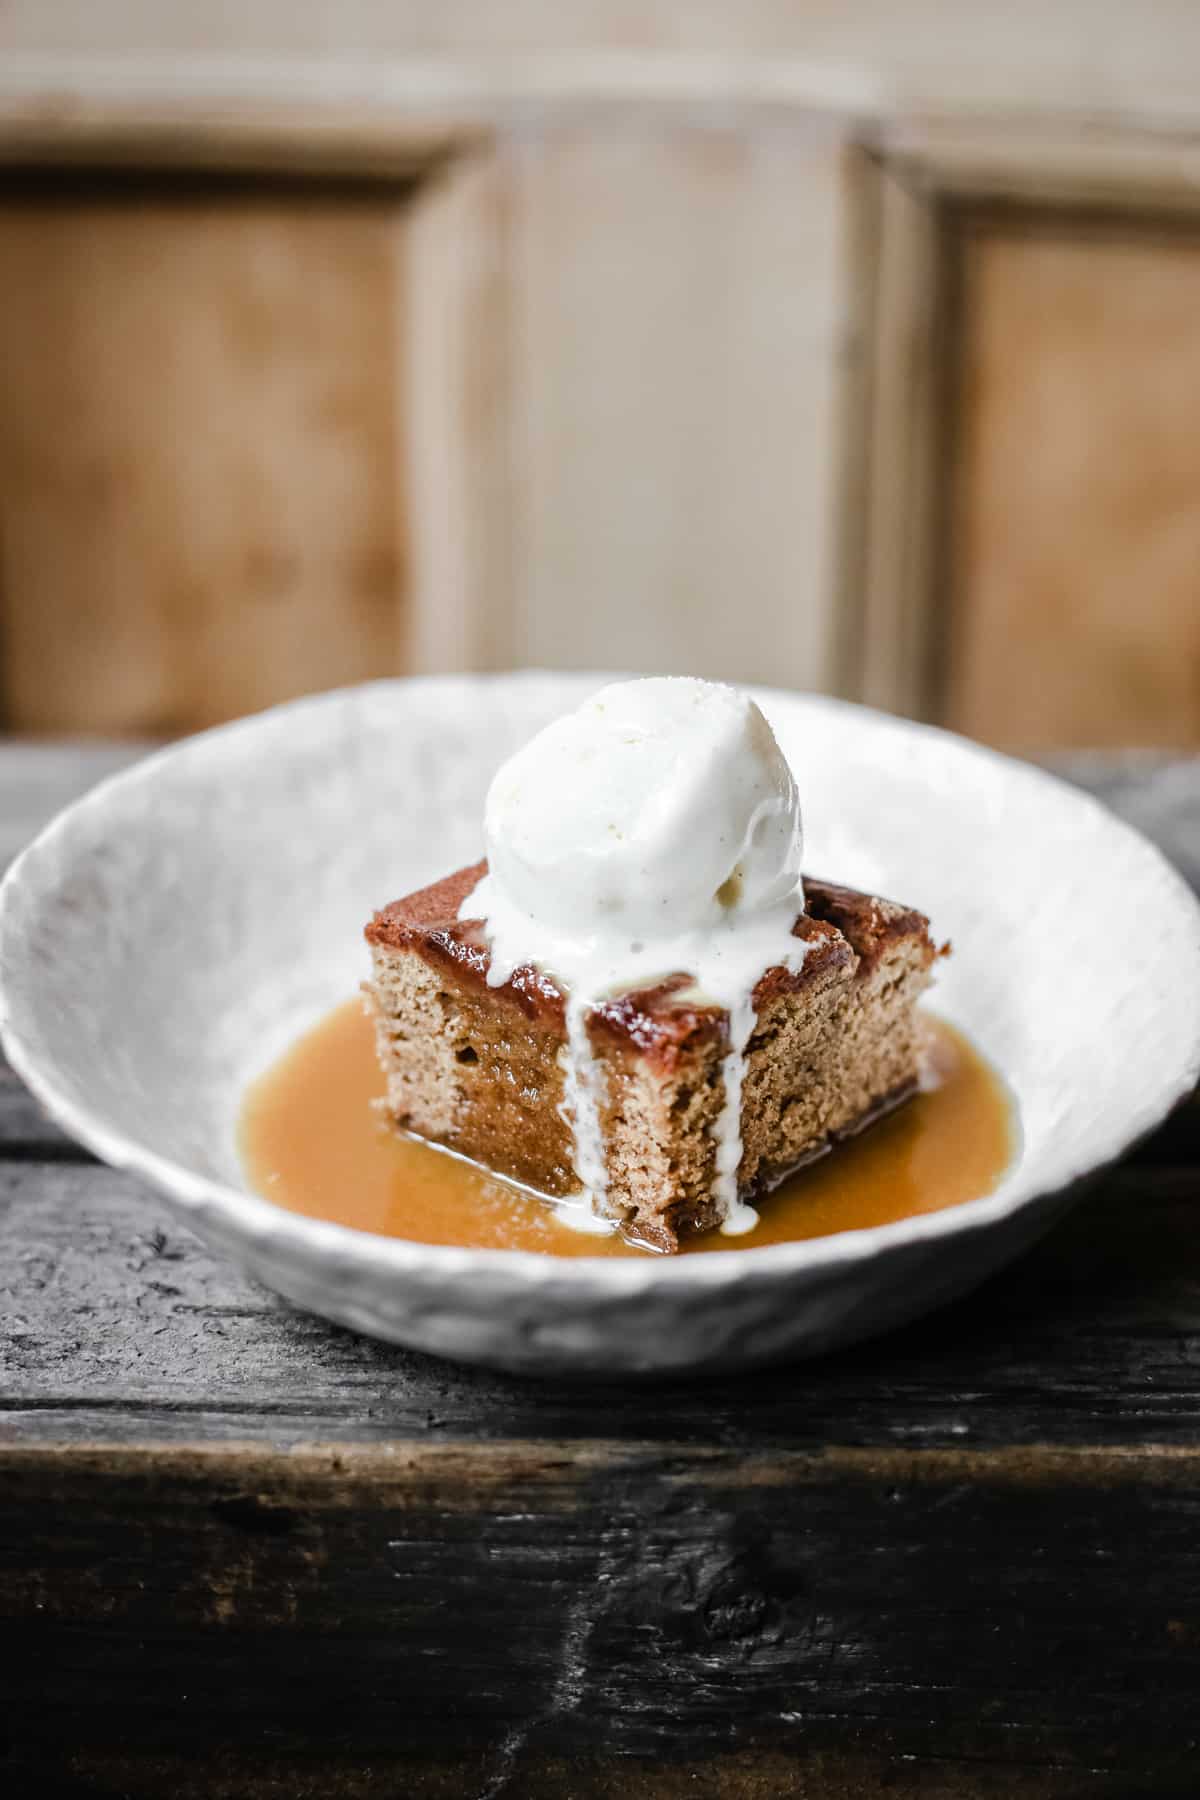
(842, 927)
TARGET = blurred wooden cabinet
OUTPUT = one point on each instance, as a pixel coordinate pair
(1034, 503)
(1073, 576)
(201, 506)
(858, 352)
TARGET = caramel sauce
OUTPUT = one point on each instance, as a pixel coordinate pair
(312, 1142)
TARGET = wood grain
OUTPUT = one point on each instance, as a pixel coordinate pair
(890, 664)
(120, 1328)
(678, 318)
(554, 1600)
(199, 487)
(456, 405)
(1074, 580)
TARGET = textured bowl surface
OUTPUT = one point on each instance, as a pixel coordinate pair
(166, 937)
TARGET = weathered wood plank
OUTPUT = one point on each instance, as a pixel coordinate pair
(117, 1326)
(993, 1614)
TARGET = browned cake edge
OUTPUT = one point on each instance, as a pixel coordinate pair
(480, 1068)
(662, 1052)
(840, 924)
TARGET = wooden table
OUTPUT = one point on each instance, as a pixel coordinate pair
(245, 1553)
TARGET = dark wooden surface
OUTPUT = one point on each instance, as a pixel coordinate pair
(244, 1552)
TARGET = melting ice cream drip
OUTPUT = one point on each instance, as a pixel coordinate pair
(583, 1096)
(736, 1216)
(655, 830)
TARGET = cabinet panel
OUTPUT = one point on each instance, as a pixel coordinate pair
(681, 324)
(1074, 570)
(199, 478)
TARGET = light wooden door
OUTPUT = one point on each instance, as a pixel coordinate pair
(1073, 584)
(826, 350)
(201, 495)
(1032, 574)
(572, 399)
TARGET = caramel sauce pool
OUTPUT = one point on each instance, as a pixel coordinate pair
(312, 1142)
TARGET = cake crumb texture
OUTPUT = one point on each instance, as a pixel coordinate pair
(481, 1070)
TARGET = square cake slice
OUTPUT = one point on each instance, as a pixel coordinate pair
(480, 1069)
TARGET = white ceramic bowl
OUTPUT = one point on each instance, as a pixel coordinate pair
(165, 938)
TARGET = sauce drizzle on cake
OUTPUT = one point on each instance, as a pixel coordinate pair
(655, 830)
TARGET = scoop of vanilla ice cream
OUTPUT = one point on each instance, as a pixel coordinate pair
(658, 807)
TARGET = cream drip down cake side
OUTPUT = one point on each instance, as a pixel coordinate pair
(636, 1005)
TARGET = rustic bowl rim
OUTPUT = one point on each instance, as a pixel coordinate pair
(241, 1216)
